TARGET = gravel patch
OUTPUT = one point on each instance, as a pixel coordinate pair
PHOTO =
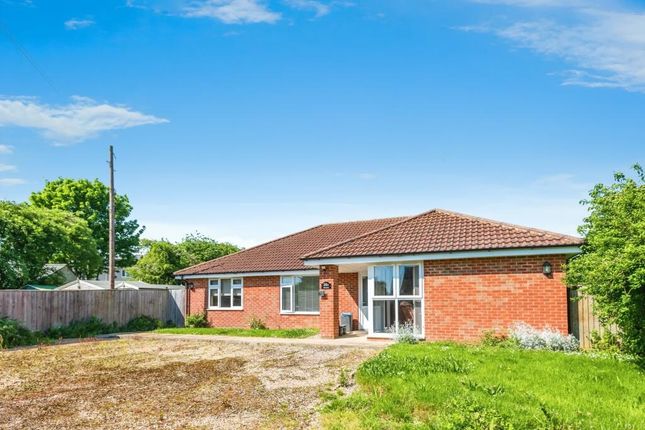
(169, 384)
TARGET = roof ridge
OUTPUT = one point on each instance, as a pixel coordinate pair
(343, 242)
(506, 224)
(366, 220)
(178, 272)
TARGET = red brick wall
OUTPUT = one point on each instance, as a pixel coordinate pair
(261, 299)
(348, 296)
(465, 297)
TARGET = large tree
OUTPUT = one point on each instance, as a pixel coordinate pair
(31, 237)
(611, 267)
(89, 200)
(163, 258)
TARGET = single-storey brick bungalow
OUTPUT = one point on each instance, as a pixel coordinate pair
(449, 275)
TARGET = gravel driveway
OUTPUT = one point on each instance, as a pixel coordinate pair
(170, 383)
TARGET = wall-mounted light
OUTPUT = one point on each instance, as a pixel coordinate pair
(547, 269)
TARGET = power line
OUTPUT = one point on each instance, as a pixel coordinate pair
(4, 29)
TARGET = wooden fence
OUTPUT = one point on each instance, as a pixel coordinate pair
(582, 320)
(40, 310)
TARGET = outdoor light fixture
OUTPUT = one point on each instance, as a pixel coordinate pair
(547, 269)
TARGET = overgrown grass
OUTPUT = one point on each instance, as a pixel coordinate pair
(449, 386)
(294, 333)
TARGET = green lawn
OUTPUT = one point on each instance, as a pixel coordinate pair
(294, 333)
(449, 386)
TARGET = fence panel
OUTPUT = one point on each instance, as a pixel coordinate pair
(582, 320)
(40, 310)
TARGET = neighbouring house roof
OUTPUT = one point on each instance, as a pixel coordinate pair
(284, 254)
(433, 231)
(443, 231)
(83, 284)
(39, 287)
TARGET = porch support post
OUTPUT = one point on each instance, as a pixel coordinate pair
(329, 307)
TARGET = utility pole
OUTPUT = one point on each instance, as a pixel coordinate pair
(111, 258)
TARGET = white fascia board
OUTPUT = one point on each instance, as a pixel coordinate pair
(518, 252)
(310, 272)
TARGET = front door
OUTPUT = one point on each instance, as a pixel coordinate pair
(364, 307)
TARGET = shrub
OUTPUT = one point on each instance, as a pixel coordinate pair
(142, 323)
(257, 324)
(12, 333)
(84, 328)
(528, 337)
(496, 338)
(197, 320)
(605, 342)
(406, 333)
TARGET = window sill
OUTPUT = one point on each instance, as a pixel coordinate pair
(224, 309)
(299, 313)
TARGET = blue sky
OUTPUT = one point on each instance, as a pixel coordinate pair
(249, 119)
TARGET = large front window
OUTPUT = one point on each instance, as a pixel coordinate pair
(225, 293)
(299, 294)
(397, 302)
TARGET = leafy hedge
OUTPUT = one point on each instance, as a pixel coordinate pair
(13, 333)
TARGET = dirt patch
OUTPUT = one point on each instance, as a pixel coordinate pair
(162, 384)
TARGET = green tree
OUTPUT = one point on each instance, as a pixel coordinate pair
(31, 237)
(164, 258)
(158, 264)
(611, 267)
(197, 248)
(89, 200)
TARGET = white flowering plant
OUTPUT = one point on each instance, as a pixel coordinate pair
(528, 337)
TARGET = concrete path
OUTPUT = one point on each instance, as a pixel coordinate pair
(349, 341)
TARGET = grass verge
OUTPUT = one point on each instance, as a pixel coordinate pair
(449, 386)
(294, 333)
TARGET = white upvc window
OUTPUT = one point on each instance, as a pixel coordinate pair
(225, 293)
(397, 297)
(299, 295)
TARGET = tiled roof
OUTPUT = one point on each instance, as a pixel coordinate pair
(444, 231)
(284, 253)
(434, 231)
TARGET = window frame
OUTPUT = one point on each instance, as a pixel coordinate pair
(292, 295)
(239, 287)
(396, 297)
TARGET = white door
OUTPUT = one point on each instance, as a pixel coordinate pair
(363, 298)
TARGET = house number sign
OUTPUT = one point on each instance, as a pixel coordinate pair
(325, 286)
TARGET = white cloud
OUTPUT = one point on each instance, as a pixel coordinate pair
(7, 168)
(605, 46)
(320, 9)
(79, 120)
(366, 176)
(10, 182)
(76, 24)
(6, 149)
(232, 11)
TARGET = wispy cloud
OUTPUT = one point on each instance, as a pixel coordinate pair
(79, 120)
(76, 24)
(366, 176)
(6, 149)
(232, 11)
(7, 168)
(10, 182)
(319, 8)
(604, 43)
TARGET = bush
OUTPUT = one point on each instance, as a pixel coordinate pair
(257, 324)
(495, 338)
(528, 337)
(12, 333)
(406, 333)
(84, 328)
(142, 323)
(605, 342)
(197, 320)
